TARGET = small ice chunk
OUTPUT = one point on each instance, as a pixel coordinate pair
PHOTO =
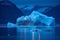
(10, 25)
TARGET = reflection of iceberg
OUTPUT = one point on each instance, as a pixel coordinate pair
(21, 28)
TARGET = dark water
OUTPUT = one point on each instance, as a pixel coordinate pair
(21, 34)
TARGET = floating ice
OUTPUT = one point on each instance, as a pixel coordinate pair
(10, 25)
(34, 17)
(37, 16)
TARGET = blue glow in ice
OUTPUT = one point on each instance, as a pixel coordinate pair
(23, 20)
(44, 19)
(34, 16)
(20, 19)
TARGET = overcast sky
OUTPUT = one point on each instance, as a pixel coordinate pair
(38, 2)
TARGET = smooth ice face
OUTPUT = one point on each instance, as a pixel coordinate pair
(47, 21)
(34, 16)
(37, 16)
